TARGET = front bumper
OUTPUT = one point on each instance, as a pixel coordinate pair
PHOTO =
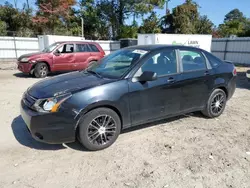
(51, 128)
(24, 67)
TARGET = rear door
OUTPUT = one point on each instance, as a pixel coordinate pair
(95, 52)
(82, 56)
(195, 78)
(64, 60)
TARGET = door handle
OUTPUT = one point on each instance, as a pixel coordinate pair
(207, 73)
(171, 80)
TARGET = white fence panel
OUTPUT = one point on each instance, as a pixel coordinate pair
(236, 50)
(13, 47)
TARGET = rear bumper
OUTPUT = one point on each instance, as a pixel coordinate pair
(52, 128)
(231, 87)
(24, 67)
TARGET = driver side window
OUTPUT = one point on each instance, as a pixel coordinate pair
(66, 48)
(163, 63)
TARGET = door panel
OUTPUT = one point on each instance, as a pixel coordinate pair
(154, 99)
(66, 58)
(195, 79)
(82, 55)
(194, 90)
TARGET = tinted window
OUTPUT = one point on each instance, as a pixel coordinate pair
(163, 63)
(192, 60)
(93, 48)
(214, 61)
(66, 48)
(82, 48)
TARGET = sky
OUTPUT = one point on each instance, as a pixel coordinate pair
(214, 9)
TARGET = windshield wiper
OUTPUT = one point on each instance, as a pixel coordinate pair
(95, 73)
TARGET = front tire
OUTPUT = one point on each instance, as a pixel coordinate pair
(41, 70)
(216, 104)
(99, 129)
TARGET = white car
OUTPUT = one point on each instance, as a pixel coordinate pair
(248, 75)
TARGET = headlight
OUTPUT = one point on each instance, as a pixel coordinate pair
(25, 59)
(50, 104)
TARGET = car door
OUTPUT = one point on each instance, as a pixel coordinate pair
(158, 98)
(195, 79)
(82, 55)
(95, 52)
(64, 57)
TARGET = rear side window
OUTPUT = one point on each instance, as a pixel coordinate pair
(93, 48)
(82, 48)
(214, 61)
(192, 60)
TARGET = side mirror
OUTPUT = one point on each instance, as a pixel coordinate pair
(147, 76)
(57, 53)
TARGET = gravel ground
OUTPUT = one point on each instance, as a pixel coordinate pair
(187, 151)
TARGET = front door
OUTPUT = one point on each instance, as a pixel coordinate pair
(64, 60)
(159, 98)
(195, 79)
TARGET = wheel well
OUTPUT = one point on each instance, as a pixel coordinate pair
(105, 106)
(224, 89)
(41, 62)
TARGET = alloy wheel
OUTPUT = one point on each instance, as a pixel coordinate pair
(101, 130)
(43, 70)
(218, 103)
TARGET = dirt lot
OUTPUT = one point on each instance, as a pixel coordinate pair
(187, 151)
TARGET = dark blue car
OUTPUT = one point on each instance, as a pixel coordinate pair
(131, 86)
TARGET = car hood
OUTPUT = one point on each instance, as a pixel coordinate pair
(66, 83)
(33, 55)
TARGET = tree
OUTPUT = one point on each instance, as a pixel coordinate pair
(50, 14)
(3, 28)
(115, 12)
(16, 21)
(185, 17)
(234, 14)
(204, 25)
(235, 23)
(150, 25)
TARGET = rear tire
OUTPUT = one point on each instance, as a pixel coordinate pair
(99, 129)
(41, 70)
(216, 104)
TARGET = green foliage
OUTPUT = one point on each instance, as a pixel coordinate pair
(3, 28)
(235, 23)
(185, 17)
(151, 24)
(105, 19)
(204, 25)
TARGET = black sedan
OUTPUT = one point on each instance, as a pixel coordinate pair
(131, 86)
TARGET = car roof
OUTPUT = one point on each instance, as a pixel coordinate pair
(89, 42)
(151, 47)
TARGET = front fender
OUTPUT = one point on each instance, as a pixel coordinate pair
(113, 95)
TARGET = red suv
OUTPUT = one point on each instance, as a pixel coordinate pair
(61, 56)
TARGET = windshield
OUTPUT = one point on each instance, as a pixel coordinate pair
(51, 47)
(117, 63)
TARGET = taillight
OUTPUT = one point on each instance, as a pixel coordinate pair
(235, 72)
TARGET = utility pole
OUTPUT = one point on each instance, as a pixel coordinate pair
(82, 27)
(167, 9)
